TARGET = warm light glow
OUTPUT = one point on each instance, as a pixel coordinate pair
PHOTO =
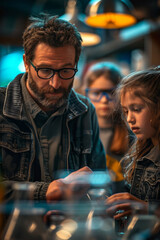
(32, 227)
(69, 225)
(111, 20)
(89, 219)
(64, 235)
(52, 227)
(89, 39)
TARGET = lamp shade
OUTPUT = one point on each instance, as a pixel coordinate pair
(110, 14)
(88, 34)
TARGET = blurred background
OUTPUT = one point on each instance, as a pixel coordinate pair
(132, 47)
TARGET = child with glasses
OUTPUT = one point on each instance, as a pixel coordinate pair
(101, 81)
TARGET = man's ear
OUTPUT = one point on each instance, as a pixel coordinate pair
(26, 64)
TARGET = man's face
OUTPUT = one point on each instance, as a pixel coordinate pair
(52, 93)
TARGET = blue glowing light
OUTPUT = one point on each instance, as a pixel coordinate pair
(11, 65)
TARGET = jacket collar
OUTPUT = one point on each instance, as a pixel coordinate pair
(13, 103)
(13, 99)
(76, 106)
(153, 155)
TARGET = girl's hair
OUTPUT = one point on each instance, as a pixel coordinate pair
(145, 85)
(111, 71)
(53, 31)
(107, 69)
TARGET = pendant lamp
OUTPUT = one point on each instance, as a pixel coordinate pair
(110, 14)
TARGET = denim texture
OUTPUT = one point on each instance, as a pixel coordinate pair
(146, 180)
(81, 143)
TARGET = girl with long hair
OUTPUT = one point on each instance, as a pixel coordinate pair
(139, 95)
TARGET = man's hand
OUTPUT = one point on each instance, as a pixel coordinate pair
(124, 204)
(74, 186)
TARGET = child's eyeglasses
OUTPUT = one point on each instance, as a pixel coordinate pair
(96, 94)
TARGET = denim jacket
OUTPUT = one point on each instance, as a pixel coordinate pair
(146, 179)
(82, 146)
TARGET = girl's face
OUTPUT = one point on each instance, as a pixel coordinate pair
(104, 107)
(138, 116)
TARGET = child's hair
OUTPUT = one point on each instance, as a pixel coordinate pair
(107, 69)
(145, 85)
(120, 142)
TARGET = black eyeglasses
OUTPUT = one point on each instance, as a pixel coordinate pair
(47, 73)
(96, 94)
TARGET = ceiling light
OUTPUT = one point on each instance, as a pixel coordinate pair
(110, 14)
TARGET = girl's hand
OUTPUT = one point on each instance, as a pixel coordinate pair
(124, 204)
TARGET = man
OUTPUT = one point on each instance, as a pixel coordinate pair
(45, 126)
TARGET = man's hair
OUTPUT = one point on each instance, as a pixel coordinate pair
(53, 31)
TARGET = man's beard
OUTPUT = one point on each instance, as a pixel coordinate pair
(49, 103)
